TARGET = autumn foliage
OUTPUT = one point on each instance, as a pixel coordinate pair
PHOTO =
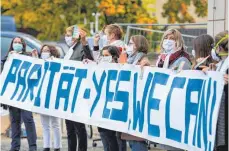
(178, 10)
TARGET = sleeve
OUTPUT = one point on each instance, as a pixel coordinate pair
(3, 62)
(187, 64)
(96, 48)
(87, 53)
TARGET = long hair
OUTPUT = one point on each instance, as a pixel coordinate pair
(203, 46)
(23, 44)
(53, 51)
(141, 43)
(114, 51)
(178, 38)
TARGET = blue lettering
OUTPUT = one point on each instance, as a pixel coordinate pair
(172, 133)
(11, 76)
(53, 68)
(98, 87)
(153, 103)
(64, 92)
(213, 106)
(21, 79)
(80, 74)
(139, 110)
(32, 83)
(38, 97)
(194, 85)
(112, 75)
(202, 119)
(121, 96)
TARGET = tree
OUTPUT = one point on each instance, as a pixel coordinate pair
(48, 17)
(125, 11)
(177, 10)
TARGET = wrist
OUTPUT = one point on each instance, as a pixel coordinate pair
(84, 42)
(96, 43)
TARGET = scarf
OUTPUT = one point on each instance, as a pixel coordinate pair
(135, 58)
(165, 59)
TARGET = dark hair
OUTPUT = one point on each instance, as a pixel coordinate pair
(203, 45)
(224, 37)
(53, 51)
(141, 43)
(23, 44)
(114, 51)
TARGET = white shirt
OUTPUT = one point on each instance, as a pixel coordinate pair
(222, 66)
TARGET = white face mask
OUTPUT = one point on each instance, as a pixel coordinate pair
(107, 59)
(45, 55)
(130, 50)
(168, 45)
(194, 53)
(104, 40)
(68, 40)
(214, 55)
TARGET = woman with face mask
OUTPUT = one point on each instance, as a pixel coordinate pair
(220, 54)
(49, 122)
(78, 51)
(78, 46)
(173, 51)
(111, 140)
(137, 50)
(18, 46)
(110, 54)
(173, 55)
(202, 45)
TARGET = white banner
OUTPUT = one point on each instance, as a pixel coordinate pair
(176, 109)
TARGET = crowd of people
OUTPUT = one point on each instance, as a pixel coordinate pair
(209, 54)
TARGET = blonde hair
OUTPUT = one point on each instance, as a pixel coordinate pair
(115, 29)
(222, 39)
(69, 29)
(178, 38)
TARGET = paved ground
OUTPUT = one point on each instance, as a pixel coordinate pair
(5, 145)
(5, 141)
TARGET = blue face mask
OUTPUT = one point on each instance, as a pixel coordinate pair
(17, 47)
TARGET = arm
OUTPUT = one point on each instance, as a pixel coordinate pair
(144, 62)
(86, 49)
(96, 48)
(87, 52)
(96, 42)
(186, 64)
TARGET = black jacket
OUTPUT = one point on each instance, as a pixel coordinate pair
(81, 52)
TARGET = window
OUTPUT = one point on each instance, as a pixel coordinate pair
(5, 45)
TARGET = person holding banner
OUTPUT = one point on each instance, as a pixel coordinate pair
(111, 35)
(78, 50)
(111, 140)
(48, 52)
(220, 54)
(202, 45)
(18, 46)
(173, 51)
(136, 50)
(173, 56)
